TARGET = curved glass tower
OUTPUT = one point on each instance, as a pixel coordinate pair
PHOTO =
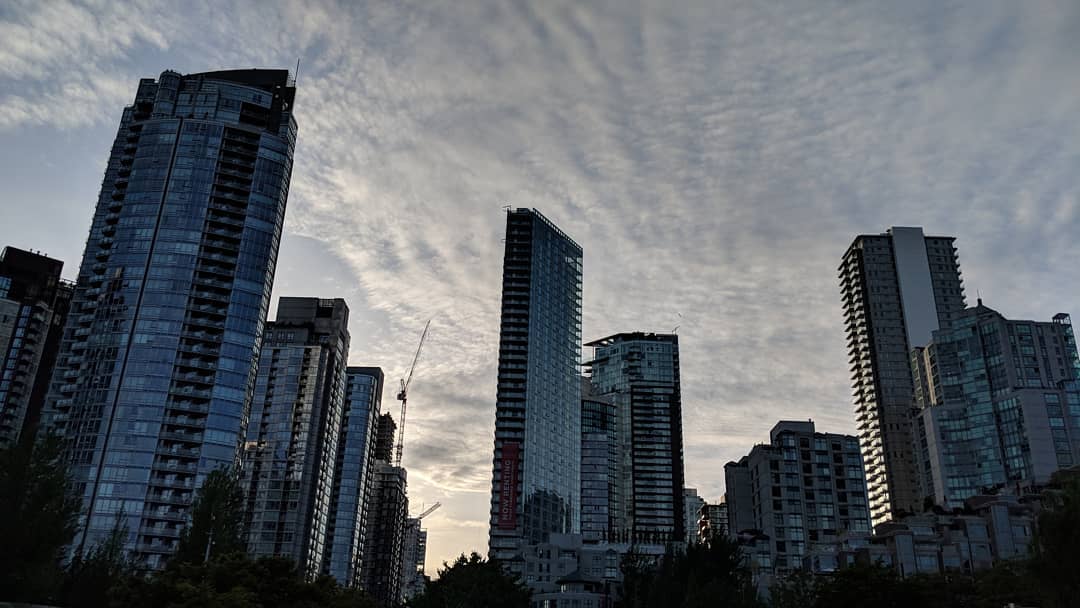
(536, 479)
(154, 382)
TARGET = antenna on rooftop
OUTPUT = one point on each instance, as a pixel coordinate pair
(296, 74)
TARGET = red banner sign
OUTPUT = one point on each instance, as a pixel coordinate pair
(508, 468)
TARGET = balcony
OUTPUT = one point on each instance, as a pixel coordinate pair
(161, 548)
(195, 378)
(188, 407)
(164, 515)
(214, 296)
(226, 232)
(183, 437)
(190, 391)
(169, 499)
(196, 363)
(227, 221)
(178, 451)
(210, 309)
(161, 531)
(211, 282)
(185, 421)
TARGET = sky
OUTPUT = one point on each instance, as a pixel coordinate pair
(714, 160)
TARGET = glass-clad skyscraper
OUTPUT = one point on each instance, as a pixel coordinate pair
(640, 373)
(998, 405)
(154, 382)
(353, 474)
(33, 308)
(536, 477)
(291, 448)
(897, 288)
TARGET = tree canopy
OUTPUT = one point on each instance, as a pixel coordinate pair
(39, 516)
(707, 574)
(473, 582)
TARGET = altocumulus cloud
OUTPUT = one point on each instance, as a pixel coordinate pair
(714, 159)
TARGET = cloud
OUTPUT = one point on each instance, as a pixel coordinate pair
(713, 159)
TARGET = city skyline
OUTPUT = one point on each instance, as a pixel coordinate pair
(731, 233)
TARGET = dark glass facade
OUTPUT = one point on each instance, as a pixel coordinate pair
(536, 477)
(33, 307)
(292, 440)
(352, 476)
(640, 373)
(154, 382)
(599, 465)
(897, 288)
(387, 510)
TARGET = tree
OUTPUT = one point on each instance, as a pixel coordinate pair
(796, 590)
(707, 574)
(91, 580)
(234, 580)
(217, 519)
(862, 585)
(473, 582)
(38, 519)
(1056, 546)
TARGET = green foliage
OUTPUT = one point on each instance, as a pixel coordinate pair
(217, 519)
(798, 590)
(879, 586)
(38, 519)
(473, 582)
(91, 579)
(707, 574)
(237, 581)
(1056, 548)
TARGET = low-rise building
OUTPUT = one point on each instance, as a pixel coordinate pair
(989, 529)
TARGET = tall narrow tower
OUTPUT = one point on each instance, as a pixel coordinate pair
(897, 288)
(536, 478)
(154, 382)
(292, 440)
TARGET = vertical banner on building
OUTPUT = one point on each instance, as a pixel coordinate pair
(508, 468)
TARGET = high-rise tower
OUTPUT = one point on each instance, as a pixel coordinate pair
(640, 373)
(387, 512)
(353, 474)
(33, 307)
(292, 439)
(897, 287)
(154, 382)
(536, 478)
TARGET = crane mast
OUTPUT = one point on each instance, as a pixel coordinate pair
(403, 397)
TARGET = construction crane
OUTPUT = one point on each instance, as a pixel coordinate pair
(403, 397)
(428, 511)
